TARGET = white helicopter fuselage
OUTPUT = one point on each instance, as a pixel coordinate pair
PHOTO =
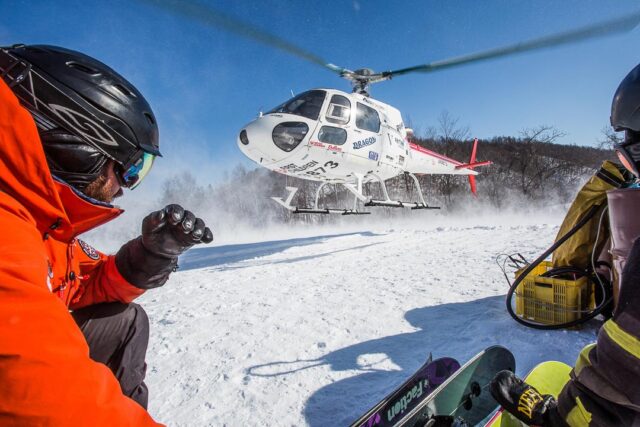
(332, 136)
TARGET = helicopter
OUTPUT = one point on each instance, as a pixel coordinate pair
(350, 139)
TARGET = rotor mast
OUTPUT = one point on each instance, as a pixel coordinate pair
(361, 79)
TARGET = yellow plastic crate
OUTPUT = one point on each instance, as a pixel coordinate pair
(551, 300)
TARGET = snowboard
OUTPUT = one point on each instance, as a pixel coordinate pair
(548, 378)
(464, 398)
(405, 397)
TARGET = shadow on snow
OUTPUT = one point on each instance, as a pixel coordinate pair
(459, 330)
(219, 255)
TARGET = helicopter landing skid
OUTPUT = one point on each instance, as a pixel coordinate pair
(399, 204)
(315, 210)
(421, 204)
(330, 211)
(356, 190)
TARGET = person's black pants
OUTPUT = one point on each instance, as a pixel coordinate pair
(118, 335)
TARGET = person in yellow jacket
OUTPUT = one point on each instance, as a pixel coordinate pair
(604, 389)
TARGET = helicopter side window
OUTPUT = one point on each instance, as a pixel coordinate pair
(307, 104)
(339, 110)
(331, 135)
(367, 118)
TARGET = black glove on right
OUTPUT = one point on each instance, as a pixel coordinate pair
(521, 400)
(147, 261)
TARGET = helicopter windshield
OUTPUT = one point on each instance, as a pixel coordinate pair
(307, 104)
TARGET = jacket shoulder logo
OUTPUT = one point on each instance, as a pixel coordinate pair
(89, 250)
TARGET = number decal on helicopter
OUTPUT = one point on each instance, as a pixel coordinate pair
(331, 165)
(322, 170)
(315, 172)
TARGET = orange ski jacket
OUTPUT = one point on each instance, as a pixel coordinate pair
(46, 375)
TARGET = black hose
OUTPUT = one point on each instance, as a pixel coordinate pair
(596, 311)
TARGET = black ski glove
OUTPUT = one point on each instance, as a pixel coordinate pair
(147, 261)
(172, 230)
(523, 401)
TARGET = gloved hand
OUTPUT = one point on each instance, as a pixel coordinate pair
(148, 260)
(172, 230)
(522, 400)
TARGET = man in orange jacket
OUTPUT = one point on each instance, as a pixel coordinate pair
(73, 133)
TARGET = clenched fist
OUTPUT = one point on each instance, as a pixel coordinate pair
(148, 260)
(172, 230)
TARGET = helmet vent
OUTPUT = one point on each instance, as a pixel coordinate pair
(83, 68)
(150, 118)
(124, 91)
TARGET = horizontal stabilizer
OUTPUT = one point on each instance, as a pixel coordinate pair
(474, 165)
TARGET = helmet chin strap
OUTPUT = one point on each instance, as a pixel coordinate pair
(71, 159)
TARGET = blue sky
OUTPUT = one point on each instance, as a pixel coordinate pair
(204, 84)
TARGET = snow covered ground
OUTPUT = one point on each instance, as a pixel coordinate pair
(312, 327)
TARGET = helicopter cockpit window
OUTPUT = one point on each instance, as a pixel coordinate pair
(367, 118)
(339, 110)
(307, 104)
(331, 135)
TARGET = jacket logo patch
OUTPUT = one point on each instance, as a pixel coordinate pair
(89, 250)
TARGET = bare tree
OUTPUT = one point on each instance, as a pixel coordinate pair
(450, 131)
(449, 142)
(182, 189)
(532, 167)
(609, 138)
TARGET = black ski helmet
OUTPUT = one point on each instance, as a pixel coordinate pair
(625, 116)
(82, 105)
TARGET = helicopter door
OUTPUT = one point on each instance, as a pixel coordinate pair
(366, 139)
(330, 139)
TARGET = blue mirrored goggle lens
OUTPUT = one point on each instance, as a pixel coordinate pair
(133, 176)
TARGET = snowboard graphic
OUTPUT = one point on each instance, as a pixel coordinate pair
(547, 378)
(464, 398)
(405, 397)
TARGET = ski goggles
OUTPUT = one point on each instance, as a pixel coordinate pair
(134, 174)
(629, 152)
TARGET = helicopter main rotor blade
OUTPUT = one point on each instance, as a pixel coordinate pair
(214, 18)
(619, 25)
